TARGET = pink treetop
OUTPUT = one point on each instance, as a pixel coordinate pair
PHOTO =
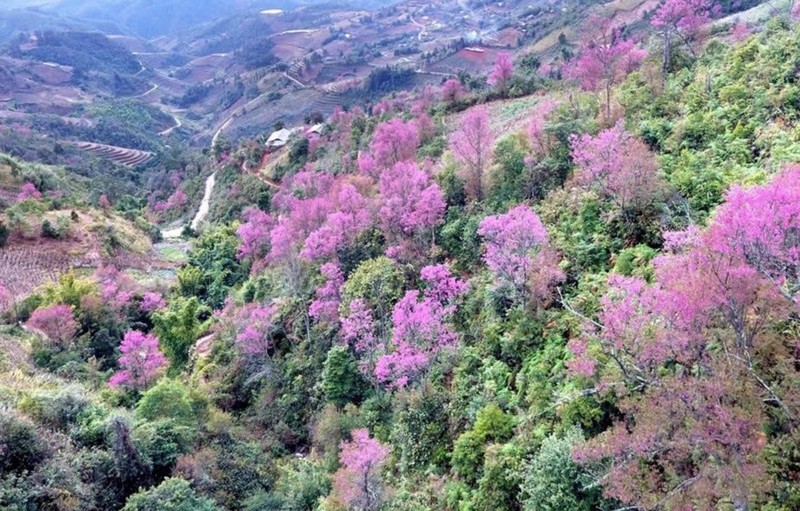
(411, 202)
(177, 199)
(681, 18)
(394, 141)
(357, 483)
(501, 72)
(351, 215)
(605, 60)
(685, 16)
(715, 294)
(420, 327)
(619, 165)
(519, 254)
(254, 233)
(325, 306)
(288, 236)
(358, 327)
(367, 165)
(759, 227)
(740, 32)
(425, 126)
(141, 361)
(56, 322)
(257, 327)
(152, 302)
(472, 145)
(452, 90)
(117, 288)
(29, 191)
(303, 186)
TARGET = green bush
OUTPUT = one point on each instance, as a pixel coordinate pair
(174, 494)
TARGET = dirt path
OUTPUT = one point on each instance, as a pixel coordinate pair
(178, 124)
(155, 88)
(295, 80)
(205, 203)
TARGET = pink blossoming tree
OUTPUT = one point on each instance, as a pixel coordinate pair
(692, 359)
(152, 302)
(619, 166)
(411, 204)
(56, 322)
(518, 253)
(452, 90)
(141, 362)
(325, 306)
(501, 73)
(604, 60)
(256, 329)
(357, 484)
(420, 327)
(29, 191)
(472, 145)
(541, 141)
(681, 21)
(254, 233)
(394, 141)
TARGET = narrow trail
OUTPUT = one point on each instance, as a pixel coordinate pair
(295, 80)
(205, 203)
(178, 124)
(155, 88)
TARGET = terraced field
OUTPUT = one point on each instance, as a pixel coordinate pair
(121, 155)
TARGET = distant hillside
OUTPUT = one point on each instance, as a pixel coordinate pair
(144, 18)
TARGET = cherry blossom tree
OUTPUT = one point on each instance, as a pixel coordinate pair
(359, 330)
(351, 214)
(254, 233)
(56, 322)
(680, 20)
(420, 327)
(141, 361)
(472, 145)
(518, 253)
(152, 302)
(501, 72)
(620, 166)
(692, 358)
(29, 191)
(740, 32)
(256, 329)
(117, 288)
(411, 203)
(325, 306)
(357, 483)
(604, 60)
(760, 228)
(452, 90)
(394, 141)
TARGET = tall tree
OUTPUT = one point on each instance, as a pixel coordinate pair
(518, 253)
(680, 20)
(501, 73)
(472, 144)
(141, 362)
(358, 482)
(605, 59)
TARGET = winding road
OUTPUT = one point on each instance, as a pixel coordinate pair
(205, 203)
